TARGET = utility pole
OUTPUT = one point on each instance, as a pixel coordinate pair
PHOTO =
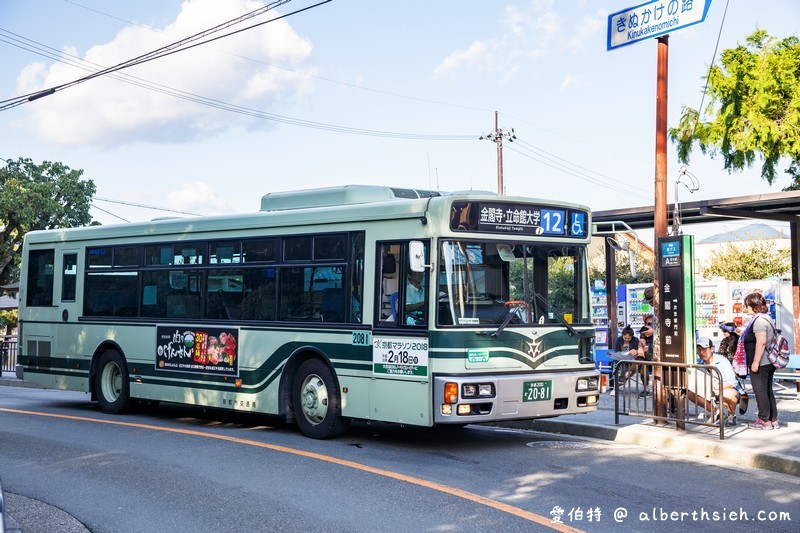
(497, 137)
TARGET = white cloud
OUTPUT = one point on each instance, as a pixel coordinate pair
(235, 70)
(476, 57)
(587, 29)
(198, 197)
(529, 32)
(568, 81)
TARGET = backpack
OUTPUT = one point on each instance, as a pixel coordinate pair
(778, 349)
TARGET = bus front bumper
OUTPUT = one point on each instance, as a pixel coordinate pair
(474, 399)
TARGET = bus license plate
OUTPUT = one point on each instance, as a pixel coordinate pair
(537, 391)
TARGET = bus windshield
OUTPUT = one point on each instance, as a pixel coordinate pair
(482, 282)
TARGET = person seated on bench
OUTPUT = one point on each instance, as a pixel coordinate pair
(696, 388)
(627, 343)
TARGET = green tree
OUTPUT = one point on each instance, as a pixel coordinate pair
(757, 260)
(34, 197)
(8, 321)
(754, 108)
(644, 268)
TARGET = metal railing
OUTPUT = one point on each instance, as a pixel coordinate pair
(8, 353)
(679, 393)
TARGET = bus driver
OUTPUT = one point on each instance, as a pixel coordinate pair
(415, 298)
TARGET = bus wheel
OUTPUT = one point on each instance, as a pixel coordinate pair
(316, 401)
(111, 383)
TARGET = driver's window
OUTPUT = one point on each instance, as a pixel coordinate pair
(388, 285)
(403, 294)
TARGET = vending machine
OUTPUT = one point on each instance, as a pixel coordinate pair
(711, 308)
(599, 304)
(631, 306)
(599, 297)
(777, 293)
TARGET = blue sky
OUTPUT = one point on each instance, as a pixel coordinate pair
(420, 80)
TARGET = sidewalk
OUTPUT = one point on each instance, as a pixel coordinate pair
(774, 450)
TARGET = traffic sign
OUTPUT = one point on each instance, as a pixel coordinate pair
(652, 19)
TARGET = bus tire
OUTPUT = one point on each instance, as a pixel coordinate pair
(111, 383)
(316, 401)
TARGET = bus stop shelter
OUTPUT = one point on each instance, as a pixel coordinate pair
(779, 206)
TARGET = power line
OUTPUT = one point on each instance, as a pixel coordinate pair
(51, 53)
(156, 208)
(110, 213)
(553, 157)
(178, 46)
(297, 72)
(580, 175)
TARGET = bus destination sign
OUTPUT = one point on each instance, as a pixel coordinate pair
(206, 351)
(521, 219)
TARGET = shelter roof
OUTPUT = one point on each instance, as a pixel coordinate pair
(780, 206)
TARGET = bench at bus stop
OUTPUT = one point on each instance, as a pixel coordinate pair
(791, 372)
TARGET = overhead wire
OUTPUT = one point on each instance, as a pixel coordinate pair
(51, 53)
(297, 72)
(145, 206)
(178, 46)
(183, 44)
(684, 170)
(561, 161)
(561, 167)
(106, 211)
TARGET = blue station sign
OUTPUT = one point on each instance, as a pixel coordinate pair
(652, 19)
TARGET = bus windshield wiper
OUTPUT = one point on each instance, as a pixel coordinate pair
(541, 299)
(511, 312)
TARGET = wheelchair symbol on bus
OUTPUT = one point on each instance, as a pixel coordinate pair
(577, 225)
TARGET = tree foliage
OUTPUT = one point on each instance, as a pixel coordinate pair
(754, 108)
(35, 197)
(757, 260)
(644, 268)
(8, 320)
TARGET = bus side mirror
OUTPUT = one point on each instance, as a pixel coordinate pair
(416, 256)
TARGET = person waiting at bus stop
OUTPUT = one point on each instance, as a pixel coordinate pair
(697, 387)
(645, 350)
(626, 344)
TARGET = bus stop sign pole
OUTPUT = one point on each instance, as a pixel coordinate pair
(656, 19)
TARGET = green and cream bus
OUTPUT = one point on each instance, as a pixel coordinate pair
(326, 306)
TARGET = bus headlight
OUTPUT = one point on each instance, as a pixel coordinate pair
(587, 384)
(471, 390)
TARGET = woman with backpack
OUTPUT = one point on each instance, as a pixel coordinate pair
(727, 346)
(756, 337)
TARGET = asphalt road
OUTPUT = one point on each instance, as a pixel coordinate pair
(181, 469)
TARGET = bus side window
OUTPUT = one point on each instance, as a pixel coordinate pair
(388, 285)
(69, 276)
(41, 277)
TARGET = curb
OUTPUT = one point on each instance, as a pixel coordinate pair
(651, 436)
(13, 382)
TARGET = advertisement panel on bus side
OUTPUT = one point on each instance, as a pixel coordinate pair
(200, 351)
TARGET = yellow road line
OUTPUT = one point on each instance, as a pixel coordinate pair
(452, 491)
